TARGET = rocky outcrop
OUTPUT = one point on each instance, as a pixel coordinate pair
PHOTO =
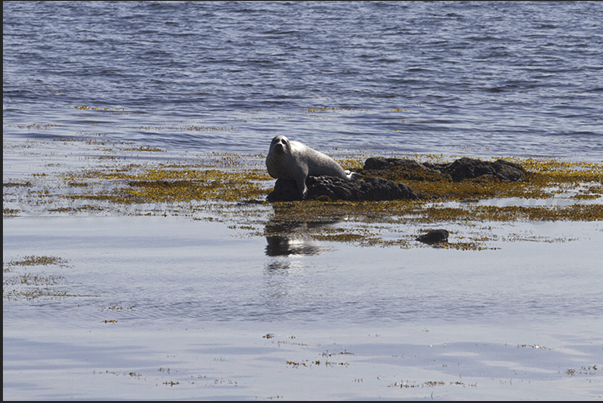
(331, 188)
(463, 168)
(380, 179)
(284, 190)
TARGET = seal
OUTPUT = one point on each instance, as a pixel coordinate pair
(295, 161)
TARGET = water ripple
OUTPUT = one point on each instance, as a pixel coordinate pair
(497, 64)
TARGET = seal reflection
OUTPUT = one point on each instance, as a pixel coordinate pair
(292, 238)
(288, 239)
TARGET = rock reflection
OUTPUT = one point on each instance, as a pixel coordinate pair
(288, 242)
(292, 238)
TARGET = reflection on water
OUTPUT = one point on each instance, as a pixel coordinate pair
(292, 242)
(287, 283)
(288, 239)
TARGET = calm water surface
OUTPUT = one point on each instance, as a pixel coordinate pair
(500, 78)
(146, 294)
(474, 78)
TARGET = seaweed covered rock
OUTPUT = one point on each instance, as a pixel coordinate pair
(332, 188)
(382, 177)
(463, 168)
(402, 169)
(468, 168)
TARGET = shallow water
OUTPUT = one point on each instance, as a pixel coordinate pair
(190, 271)
(153, 300)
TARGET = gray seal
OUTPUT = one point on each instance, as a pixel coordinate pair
(293, 160)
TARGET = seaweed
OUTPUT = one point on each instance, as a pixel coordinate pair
(232, 188)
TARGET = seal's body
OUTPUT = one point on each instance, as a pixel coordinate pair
(293, 160)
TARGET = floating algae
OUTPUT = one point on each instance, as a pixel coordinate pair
(233, 187)
(19, 284)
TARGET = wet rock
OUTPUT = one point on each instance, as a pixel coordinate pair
(381, 163)
(468, 168)
(284, 190)
(463, 168)
(382, 177)
(401, 169)
(372, 189)
(331, 188)
(434, 237)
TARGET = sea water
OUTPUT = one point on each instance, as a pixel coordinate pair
(471, 78)
(176, 308)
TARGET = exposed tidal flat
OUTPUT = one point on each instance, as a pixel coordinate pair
(134, 272)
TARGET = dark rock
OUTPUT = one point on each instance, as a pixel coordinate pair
(332, 188)
(383, 189)
(284, 190)
(401, 169)
(472, 168)
(463, 168)
(381, 163)
(382, 177)
(435, 236)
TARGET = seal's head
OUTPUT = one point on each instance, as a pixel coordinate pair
(279, 145)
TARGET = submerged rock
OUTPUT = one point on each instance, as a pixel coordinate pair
(433, 237)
